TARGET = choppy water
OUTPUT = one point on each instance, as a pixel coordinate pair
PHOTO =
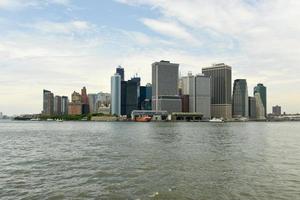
(82, 160)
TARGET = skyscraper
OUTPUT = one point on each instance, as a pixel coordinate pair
(260, 109)
(85, 101)
(199, 90)
(64, 105)
(252, 107)
(165, 87)
(220, 90)
(116, 94)
(262, 90)
(146, 97)
(121, 72)
(93, 103)
(132, 97)
(240, 107)
(48, 102)
(57, 105)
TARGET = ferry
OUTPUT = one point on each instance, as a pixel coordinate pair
(143, 119)
(216, 120)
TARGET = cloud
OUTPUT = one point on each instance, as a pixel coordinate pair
(21, 4)
(171, 29)
(62, 27)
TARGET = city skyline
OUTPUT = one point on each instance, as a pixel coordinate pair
(142, 32)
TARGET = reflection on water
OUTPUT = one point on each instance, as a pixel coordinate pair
(82, 160)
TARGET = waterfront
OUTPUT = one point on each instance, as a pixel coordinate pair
(86, 160)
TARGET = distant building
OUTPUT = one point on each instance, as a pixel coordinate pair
(252, 107)
(76, 97)
(240, 107)
(185, 103)
(221, 77)
(85, 101)
(75, 107)
(64, 105)
(146, 97)
(199, 90)
(116, 94)
(57, 105)
(165, 94)
(93, 103)
(260, 109)
(103, 99)
(1, 115)
(262, 90)
(276, 110)
(121, 72)
(48, 103)
(130, 96)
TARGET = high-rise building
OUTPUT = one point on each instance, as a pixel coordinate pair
(165, 87)
(199, 90)
(121, 72)
(252, 107)
(64, 105)
(262, 90)
(85, 101)
(103, 99)
(57, 105)
(116, 94)
(221, 76)
(75, 107)
(260, 109)
(132, 96)
(146, 97)
(240, 107)
(93, 103)
(123, 97)
(48, 102)
(276, 110)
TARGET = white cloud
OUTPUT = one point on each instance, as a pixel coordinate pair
(20, 4)
(171, 29)
(62, 27)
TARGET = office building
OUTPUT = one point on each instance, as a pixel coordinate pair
(221, 75)
(165, 87)
(252, 107)
(132, 95)
(240, 107)
(64, 105)
(57, 105)
(185, 103)
(121, 72)
(85, 101)
(93, 103)
(262, 90)
(198, 88)
(260, 109)
(75, 106)
(145, 97)
(276, 110)
(116, 94)
(48, 103)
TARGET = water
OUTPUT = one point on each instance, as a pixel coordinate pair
(82, 160)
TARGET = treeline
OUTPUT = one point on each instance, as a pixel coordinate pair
(73, 117)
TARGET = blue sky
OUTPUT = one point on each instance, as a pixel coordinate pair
(63, 45)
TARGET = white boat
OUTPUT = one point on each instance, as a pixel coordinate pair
(59, 120)
(216, 120)
(49, 120)
(35, 119)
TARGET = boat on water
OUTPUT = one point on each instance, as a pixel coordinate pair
(216, 120)
(59, 120)
(143, 119)
(50, 120)
(35, 119)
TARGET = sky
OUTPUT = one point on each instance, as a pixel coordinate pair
(63, 45)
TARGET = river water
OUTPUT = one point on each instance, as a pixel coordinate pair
(88, 160)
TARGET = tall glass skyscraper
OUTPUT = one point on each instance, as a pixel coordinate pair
(240, 100)
(48, 102)
(116, 94)
(221, 77)
(262, 90)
